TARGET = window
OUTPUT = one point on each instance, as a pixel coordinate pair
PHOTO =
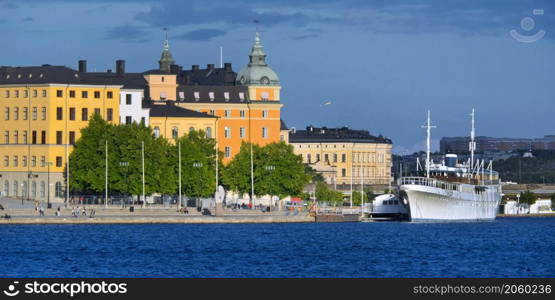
(227, 132)
(96, 94)
(25, 113)
(16, 113)
(33, 161)
(265, 96)
(7, 113)
(227, 113)
(24, 136)
(197, 96)
(58, 161)
(58, 137)
(72, 137)
(59, 113)
(34, 137)
(110, 114)
(6, 137)
(181, 95)
(226, 96)
(35, 93)
(163, 95)
(43, 113)
(43, 137)
(85, 114)
(209, 132)
(211, 96)
(16, 93)
(42, 189)
(34, 113)
(227, 152)
(128, 120)
(7, 94)
(33, 189)
(343, 172)
(15, 161)
(44, 93)
(72, 113)
(97, 111)
(59, 93)
(43, 161)
(242, 132)
(128, 99)
(343, 157)
(241, 96)
(25, 93)
(264, 114)
(16, 137)
(15, 188)
(335, 157)
(162, 79)
(242, 113)
(6, 161)
(264, 132)
(24, 189)
(156, 132)
(191, 129)
(308, 158)
(317, 157)
(59, 192)
(143, 120)
(84, 94)
(6, 188)
(71, 94)
(175, 133)
(110, 95)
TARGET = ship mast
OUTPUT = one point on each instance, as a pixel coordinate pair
(428, 127)
(472, 144)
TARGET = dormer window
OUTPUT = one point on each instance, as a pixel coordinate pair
(18, 75)
(241, 96)
(226, 96)
(265, 96)
(197, 96)
(30, 75)
(211, 96)
(265, 80)
(163, 96)
(182, 95)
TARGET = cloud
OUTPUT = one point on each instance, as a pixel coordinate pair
(201, 34)
(28, 19)
(128, 33)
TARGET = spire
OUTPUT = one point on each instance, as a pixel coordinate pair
(257, 55)
(166, 59)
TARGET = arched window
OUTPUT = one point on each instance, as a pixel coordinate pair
(209, 132)
(175, 133)
(59, 192)
(15, 188)
(24, 189)
(42, 189)
(6, 188)
(34, 190)
(156, 132)
(191, 129)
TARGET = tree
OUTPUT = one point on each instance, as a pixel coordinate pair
(237, 175)
(324, 194)
(356, 198)
(528, 197)
(279, 171)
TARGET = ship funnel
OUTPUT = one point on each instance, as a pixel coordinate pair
(451, 160)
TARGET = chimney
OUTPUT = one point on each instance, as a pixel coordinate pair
(227, 67)
(83, 66)
(120, 66)
(210, 66)
(195, 68)
(109, 70)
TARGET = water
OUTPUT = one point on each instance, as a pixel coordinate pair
(522, 247)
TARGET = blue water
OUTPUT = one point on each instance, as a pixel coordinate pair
(522, 247)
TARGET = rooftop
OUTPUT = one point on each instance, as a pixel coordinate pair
(334, 135)
(171, 111)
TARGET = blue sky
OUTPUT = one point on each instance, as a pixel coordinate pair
(382, 63)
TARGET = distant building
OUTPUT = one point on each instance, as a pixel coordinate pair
(485, 144)
(344, 155)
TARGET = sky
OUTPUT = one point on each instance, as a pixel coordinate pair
(382, 64)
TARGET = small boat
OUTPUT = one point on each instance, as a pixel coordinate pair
(387, 207)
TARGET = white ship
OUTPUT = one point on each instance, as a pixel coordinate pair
(452, 190)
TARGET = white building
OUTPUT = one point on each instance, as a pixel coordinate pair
(541, 207)
(130, 107)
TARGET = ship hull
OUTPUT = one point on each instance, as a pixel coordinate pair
(430, 204)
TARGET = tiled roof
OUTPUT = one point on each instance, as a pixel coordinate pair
(172, 111)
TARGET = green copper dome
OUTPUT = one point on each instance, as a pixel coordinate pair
(257, 71)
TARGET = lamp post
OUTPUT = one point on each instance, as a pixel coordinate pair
(197, 165)
(48, 164)
(518, 203)
(270, 168)
(126, 165)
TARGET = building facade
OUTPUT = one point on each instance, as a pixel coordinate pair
(344, 156)
(486, 144)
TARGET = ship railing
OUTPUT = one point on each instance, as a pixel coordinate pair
(446, 185)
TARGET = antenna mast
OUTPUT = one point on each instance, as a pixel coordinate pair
(472, 144)
(428, 127)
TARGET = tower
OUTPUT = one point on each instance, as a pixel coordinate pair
(166, 59)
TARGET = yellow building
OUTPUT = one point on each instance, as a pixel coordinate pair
(171, 121)
(344, 156)
(43, 109)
